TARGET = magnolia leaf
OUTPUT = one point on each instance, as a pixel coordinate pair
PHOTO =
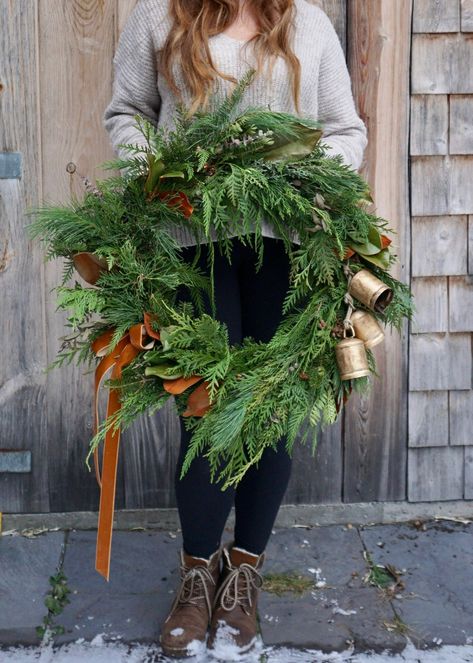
(156, 168)
(380, 259)
(157, 357)
(172, 173)
(290, 149)
(373, 245)
(166, 371)
(374, 237)
(366, 249)
(165, 334)
(181, 384)
(198, 402)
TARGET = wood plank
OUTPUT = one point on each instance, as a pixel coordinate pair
(336, 10)
(466, 15)
(441, 64)
(76, 45)
(441, 185)
(470, 244)
(428, 419)
(460, 303)
(436, 16)
(149, 454)
(440, 361)
(318, 479)
(22, 381)
(461, 112)
(375, 430)
(429, 124)
(468, 494)
(435, 473)
(122, 12)
(431, 301)
(461, 418)
(439, 246)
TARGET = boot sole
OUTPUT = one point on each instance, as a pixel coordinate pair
(179, 652)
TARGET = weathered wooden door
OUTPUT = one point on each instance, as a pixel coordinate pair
(55, 81)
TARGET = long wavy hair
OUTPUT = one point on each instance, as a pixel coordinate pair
(194, 21)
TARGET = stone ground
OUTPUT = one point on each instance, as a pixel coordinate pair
(422, 596)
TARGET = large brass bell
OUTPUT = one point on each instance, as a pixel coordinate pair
(367, 328)
(371, 291)
(351, 356)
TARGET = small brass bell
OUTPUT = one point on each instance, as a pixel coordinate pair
(371, 291)
(351, 357)
(367, 328)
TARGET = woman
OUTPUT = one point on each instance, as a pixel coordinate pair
(185, 50)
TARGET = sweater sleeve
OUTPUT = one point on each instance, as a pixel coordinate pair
(344, 132)
(134, 82)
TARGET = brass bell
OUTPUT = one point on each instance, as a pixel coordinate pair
(367, 328)
(351, 357)
(371, 291)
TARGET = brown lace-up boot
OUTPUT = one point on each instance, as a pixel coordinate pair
(234, 617)
(185, 627)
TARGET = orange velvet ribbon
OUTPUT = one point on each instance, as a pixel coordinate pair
(139, 337)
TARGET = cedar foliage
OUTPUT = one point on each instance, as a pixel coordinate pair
(236, 167)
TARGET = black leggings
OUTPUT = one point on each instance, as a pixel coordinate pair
(249, 302)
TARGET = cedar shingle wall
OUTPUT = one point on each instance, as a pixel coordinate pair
(441, 156)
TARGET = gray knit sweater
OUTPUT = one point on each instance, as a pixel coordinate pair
(325, 92)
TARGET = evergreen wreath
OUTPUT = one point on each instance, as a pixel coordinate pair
(227, 170)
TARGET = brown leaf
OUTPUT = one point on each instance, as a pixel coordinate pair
(198, 402)
(179, 385)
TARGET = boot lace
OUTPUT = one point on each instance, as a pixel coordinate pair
(194, 587)
(238, 588)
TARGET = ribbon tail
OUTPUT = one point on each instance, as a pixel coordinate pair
(107, 362)
(108, 477)
(107, 490)
(97, 468)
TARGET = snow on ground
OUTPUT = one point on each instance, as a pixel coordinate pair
(99, 651)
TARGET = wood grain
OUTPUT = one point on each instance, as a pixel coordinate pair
(376, 424)
(460, 417)
(436, 473)
(428, 418)
(429, 124)
(441, 185)
(466, 15)
(461, 118)
(442, 63)
(440, 361)
(431, 299)
(460, 302)
(76, 39)
(22, 381)
(438, 246)
(436, 16)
